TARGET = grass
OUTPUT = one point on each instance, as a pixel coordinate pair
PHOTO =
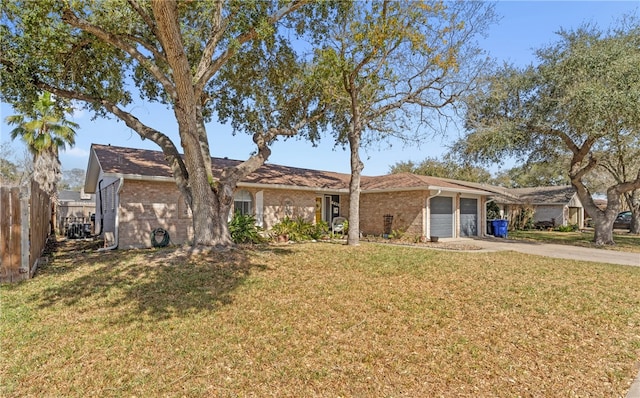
(624, 241)
(320, 320)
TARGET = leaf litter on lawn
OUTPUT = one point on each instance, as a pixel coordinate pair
(321, 320)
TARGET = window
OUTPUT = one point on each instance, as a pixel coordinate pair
(242, 203)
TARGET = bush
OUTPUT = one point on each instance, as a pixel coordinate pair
(319, 230)
(524, 219)
(299, 229)
(243, 229)
(566, 228)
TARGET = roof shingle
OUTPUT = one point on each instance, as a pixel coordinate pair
(147, 163)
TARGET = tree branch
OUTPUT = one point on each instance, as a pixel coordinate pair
(145, 16)
(217, 31)
(169, 149)
(215, 65)
(69, 17)
(232, 175)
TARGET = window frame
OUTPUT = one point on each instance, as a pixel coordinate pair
(245, 198)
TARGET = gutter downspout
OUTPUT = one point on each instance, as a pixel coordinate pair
(115, 233)
(428, 233)
(101, 212)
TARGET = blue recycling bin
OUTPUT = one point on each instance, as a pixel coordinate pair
(500, 228)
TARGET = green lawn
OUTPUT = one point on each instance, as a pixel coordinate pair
(320, 320)
(624, 241)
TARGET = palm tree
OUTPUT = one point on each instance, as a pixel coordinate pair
(44, 129)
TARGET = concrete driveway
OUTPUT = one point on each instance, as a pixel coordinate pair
(559, 251)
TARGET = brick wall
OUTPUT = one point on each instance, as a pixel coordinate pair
(407, 209)
(279, 204)
(146, 205)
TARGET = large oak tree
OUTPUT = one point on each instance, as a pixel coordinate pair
(105, 53)
(581, 100)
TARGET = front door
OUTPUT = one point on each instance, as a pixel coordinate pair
(331, 208)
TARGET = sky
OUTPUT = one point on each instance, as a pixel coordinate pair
(524, 27)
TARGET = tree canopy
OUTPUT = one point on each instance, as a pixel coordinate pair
(390, 68)
(534, 174)
(45, 130)
(72, 180)
(9, 173)
(579, 102)
(109, 54)
(445, 168)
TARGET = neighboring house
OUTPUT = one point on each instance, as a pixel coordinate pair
(74, 207)
(136, 193)
(551, 206)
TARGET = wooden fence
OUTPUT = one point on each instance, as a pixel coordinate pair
(25, 215)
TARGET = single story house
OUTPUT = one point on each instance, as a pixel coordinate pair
(552, 206)
(136, 193)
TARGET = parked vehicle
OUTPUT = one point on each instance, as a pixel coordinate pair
(623, 221)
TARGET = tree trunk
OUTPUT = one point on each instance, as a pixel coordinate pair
(603, 230)
(603, 219)
(633, 200)
(52, 222)
(635, 223)
(353, 236)
(209, 204)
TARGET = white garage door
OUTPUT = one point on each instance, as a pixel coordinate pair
(441, 219)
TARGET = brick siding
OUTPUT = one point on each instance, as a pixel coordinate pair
(407, 209)
(146, 205)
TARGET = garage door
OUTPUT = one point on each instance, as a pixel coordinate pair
(441, 220)
(468, 217)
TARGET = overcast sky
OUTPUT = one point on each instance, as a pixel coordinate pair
(525, 26)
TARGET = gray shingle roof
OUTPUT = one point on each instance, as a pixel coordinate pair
(545, 195)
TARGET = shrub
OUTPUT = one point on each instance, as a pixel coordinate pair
(299, 229)
(566, 228)
(282, 228)
(319, 230)
(493, 210)
(524, 219)
(243, 229)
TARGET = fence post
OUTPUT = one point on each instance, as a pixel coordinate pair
(25, 199)
(10, 227)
